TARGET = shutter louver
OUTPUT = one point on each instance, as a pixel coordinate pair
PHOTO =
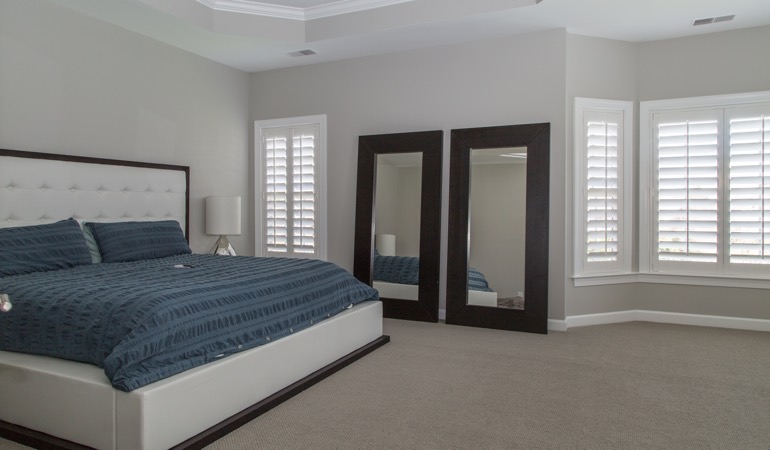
(688, 183)
(750, 190)
(601, 195)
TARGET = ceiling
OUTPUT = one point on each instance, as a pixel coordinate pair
(261, 35)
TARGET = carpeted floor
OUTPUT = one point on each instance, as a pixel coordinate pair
(623, 386)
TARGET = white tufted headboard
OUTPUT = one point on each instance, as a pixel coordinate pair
(37, 188)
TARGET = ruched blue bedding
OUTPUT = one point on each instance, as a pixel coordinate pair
(146, 320)
(406, 270)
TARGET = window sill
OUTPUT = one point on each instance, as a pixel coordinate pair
(658, 278)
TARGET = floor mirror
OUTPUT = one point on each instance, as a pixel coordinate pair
(398, 218)
(497, 262)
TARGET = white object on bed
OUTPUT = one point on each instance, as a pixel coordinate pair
(5, 303)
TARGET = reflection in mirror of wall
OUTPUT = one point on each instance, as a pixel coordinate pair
(497, 227)
(397, 225)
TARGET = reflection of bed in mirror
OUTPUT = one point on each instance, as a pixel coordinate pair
(398, 277)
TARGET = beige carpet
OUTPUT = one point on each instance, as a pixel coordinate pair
(625, 386)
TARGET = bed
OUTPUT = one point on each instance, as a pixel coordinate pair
(399, 277)
(101, 399)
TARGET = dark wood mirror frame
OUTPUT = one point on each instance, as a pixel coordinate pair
(534, 317)
(429, 143)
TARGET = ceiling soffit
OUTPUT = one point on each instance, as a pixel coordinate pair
(330, 20)
(319, 10)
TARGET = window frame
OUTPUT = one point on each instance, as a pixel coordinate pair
(599, 271)
(649, 268)
(320, 157)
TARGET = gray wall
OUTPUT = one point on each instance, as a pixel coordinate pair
(688, 67)
(672, 68)
(513, 80)
(74, 85)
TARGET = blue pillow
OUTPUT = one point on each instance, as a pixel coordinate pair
(133, 241)
(39, 248)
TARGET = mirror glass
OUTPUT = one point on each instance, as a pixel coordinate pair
(397, 225)
(497, 225)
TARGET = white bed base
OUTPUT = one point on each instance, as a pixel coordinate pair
(75, 401)
(410, 292)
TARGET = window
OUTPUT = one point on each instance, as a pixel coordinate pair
(602, 187)
(291, 185)
(706, 181)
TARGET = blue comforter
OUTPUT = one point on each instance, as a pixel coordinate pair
(146, 320)
(406, 270)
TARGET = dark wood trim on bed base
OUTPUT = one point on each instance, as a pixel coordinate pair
(38, 440)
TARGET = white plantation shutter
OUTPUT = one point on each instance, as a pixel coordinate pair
(291, 186)
(687, 187)
(710, 173)
(303, 191)
(602, 222)
(602, 245)
(749, 185)
(276, 191)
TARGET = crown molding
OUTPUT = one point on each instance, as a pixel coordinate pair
(288, 12)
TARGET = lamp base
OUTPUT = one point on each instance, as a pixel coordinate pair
(223, 247)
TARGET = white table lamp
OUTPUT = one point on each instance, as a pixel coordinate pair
(385, 244)
(223, 218)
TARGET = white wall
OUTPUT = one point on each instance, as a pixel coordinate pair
(513, 80)
(71, 84)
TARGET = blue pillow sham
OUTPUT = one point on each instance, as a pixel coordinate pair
(133, 241)
(40, 248)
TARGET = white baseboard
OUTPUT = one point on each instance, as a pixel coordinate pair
(737, 323)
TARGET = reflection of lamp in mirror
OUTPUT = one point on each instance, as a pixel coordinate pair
(385, 244)
(223, 217)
